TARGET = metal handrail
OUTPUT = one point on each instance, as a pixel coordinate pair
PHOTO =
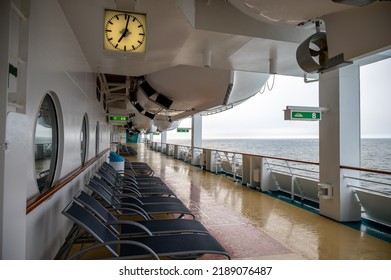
(384, 172)
(289, 170)
(296, 168)
(297, 175)
(367, 170)
(366, 189)
(367, 180)
(290, 167)
(233, 161)
(260, 156)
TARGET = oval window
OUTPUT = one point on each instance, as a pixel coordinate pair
(84, 140)
(97, 138)
(46, 142)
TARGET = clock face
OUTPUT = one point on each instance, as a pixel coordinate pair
(124, 31)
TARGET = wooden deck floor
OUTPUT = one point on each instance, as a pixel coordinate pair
(252, 225)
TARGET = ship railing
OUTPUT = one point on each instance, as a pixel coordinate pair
(185, 153)
(170, 149)
(297, 179)
(379, 180)
(303, 175)
(198, 157)
(289, 167)
(230, 163)
(157, 146)
(372, 190)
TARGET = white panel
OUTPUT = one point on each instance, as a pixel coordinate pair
(246, 84)
(15, 181)
(188, 9)
(377, 207)
(359, 32)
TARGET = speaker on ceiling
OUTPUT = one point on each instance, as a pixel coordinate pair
(164, 101)
(138, 107)
(148, 90)
(149, 115)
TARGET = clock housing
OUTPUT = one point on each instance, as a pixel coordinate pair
(124, 31)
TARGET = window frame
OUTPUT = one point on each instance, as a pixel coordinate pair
(84, 142)
(53, 113)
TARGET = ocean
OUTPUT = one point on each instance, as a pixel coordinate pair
(375, 153)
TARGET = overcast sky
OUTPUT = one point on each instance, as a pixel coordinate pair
(262, 115)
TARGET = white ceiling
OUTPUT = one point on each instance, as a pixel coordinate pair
(239, 35)
(287, 12)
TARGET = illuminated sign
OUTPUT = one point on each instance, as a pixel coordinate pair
(297, 115)
(183, 130)
(119, 118)
(304, 113)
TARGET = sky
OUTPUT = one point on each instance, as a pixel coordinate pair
(262, 115)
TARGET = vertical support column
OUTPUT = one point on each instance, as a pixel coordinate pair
(163, 142)
(150, 138)
(209, 159)
(266, 177)
(5, 9)
(196, 136)
(339, 140)
(176, 152)
(246, 176)
(255, 166)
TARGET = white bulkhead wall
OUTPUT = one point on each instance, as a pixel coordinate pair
(55, 64)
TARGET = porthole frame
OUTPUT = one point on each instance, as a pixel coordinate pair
(84, 132)
(47, 177)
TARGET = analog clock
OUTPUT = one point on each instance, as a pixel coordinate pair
(125, 31)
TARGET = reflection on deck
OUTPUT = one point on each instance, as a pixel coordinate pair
(252, 225)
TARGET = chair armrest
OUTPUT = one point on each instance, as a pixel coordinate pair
(126, 222)
(115, 242)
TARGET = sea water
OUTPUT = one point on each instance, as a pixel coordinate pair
(375, 153)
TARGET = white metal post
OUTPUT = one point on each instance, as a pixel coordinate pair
(196, 136)
(339, 140)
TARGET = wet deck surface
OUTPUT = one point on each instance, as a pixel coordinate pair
(252, 225)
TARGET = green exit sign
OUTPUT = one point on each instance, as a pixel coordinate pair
(119, 118)
(302, 113)
(182, 130)
(297, 115)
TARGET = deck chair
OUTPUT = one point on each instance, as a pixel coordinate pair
(138, 168)
(182, 246)
(131, 197)
(125, 187)
(128, 171)
(126, 227)
(122, 178)
(123, 149)
(124, 207)
(129, 177)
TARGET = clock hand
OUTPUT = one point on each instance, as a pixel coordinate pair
(127, 23)
(126, 30)
(123, 35)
